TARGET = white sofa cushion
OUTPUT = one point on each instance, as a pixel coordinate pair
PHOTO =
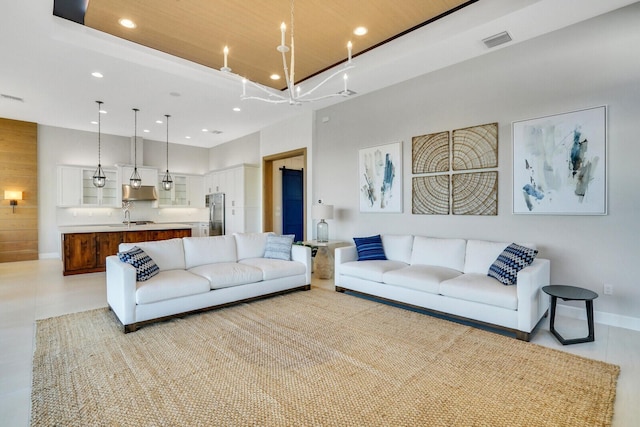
(370, 270)
(397, 247)
(250, 245)
(167, 254)
(275, 268)
(447, 253)
(209, 250)
(425, 278)
(227, 274)
(170, 284)
(480, 288)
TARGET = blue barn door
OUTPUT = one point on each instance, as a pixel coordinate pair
(292, 203)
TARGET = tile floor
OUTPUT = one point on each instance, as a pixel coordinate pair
(33, 290)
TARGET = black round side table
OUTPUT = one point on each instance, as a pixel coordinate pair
(571, 293)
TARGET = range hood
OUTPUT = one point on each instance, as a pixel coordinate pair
(146, 192)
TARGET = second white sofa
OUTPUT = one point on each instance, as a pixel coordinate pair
(198, 273)
(448, 276)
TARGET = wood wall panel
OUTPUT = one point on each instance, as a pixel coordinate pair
(19, 172)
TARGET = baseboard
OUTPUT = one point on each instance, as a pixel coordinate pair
(602, 317)
(48, 255)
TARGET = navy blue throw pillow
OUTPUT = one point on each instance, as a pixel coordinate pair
(513, 259)
(369, 248)
(146, 268)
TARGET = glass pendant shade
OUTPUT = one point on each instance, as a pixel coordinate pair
(167, 182)
(99, 179)
(135, 181)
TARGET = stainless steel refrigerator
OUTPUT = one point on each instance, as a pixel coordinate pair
(215, 202)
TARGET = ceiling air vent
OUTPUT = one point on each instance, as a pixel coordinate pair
(497, 39)
(216, 132)
(11, 98)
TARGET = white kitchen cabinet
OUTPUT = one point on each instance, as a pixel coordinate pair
(106, 196)
(76, 189)
(241, 186)
(187, 191)
(69, 186)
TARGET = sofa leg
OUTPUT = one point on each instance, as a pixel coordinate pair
(340, 289)
(130, 328)
(523, 336)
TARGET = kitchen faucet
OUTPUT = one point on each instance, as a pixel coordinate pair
(127, 214)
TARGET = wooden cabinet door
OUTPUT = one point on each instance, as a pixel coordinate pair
(79, 252)
(107, 244)
(135, 236)
(182, 233)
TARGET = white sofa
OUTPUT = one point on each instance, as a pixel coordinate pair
(199, 273)
(448, 276)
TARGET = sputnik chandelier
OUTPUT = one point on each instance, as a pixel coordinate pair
(293, 94)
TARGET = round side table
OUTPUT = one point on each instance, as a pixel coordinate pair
(571, 293)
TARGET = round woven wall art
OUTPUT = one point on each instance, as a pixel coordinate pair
(475, 147)
(475, 193)
(430, 153)
(430, 195)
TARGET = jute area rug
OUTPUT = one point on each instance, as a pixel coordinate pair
(316, 358)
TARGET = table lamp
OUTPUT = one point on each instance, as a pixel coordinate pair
(322, 212)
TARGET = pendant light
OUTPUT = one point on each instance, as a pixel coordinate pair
(135, 180)
(99, 179)
(167, 182)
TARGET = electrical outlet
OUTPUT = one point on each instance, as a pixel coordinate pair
(608, 289)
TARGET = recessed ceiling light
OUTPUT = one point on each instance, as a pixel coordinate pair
(205, 130)
(187, 137)
(159, 122)
(97, 74)
(102, 111)
(236, 109)
(360, 31)
(127, 23)
(275, 76)
(93, 122)
(146, 131)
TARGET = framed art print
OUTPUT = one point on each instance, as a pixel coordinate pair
(559, 164)
(380, 178)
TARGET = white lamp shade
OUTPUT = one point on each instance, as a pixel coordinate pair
(322, 211)
(12, 195)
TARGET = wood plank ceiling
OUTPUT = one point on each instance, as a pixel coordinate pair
(198, 30)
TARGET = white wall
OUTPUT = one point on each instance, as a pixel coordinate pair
(59, 146)
(593, 63)
(292, 134)
(236, 152)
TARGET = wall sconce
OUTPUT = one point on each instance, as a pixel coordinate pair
(13, 197)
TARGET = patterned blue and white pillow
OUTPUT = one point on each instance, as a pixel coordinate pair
(146, 268)
(513, 259)
(370, 248)
(279, 247)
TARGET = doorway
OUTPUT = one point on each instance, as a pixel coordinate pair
(272, 196)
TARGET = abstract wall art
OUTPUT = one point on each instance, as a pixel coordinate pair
(380, 178)
(559, 164)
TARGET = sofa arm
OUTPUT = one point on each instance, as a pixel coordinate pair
(121, 289)
(532, 303)
(342, 255)
(302, 254)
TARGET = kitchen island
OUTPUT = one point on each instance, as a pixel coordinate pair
(85, 248)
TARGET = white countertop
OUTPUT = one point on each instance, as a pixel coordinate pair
(105, 228)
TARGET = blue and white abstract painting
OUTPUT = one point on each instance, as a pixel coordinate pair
(380, 178)
(559, 164)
